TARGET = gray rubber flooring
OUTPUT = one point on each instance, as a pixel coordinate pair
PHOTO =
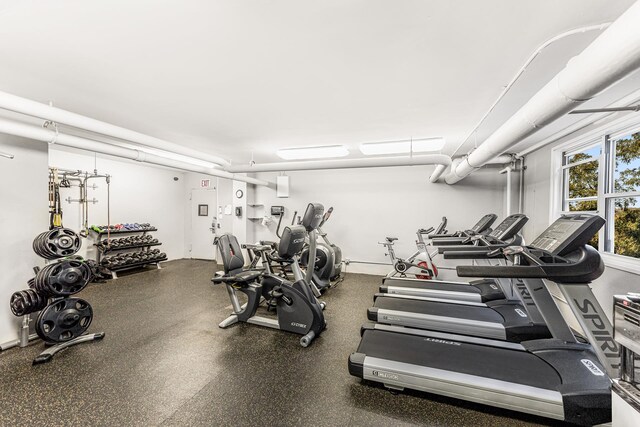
(164, 361)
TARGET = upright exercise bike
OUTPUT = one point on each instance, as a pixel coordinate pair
(423, 268)
(296, 307)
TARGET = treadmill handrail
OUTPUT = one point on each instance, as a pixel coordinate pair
(467, 255)
(470, 248)
(582, 266)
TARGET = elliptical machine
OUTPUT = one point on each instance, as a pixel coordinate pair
(336, 271)
(296, 307)
(328, 263)
(327, 266)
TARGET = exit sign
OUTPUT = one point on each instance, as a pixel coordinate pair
(204, 183)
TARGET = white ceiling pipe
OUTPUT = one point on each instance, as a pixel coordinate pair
(501, 160)
(439, 170)
(41, 134)
(610, 57)
(429, 159)
(454, 163)
(60, 116)
(522, 69)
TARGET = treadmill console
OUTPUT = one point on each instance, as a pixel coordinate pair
(484, 223)
(509, 227)
(568, 233)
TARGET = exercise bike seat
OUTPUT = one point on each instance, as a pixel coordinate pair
(233, 263)
(391, 239)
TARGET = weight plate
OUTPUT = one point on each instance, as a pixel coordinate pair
(63, 278)
(56, 243)
(26, 302)
(68, 277)
(64, 320)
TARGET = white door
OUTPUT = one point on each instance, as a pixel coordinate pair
(203, 223)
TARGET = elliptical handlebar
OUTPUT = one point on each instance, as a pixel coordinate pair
(278, 229)
(326, 216)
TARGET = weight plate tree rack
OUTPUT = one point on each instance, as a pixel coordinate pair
(61, 320)
(144, 252)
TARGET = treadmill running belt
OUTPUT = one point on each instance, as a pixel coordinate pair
(473, 359)
(481, 314)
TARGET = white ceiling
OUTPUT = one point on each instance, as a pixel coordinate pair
(231, 77)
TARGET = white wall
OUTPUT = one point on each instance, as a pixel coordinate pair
(139, 193)
(24, 214)
(240, 224)
(537, 204)
(370, 204)
(225, 198)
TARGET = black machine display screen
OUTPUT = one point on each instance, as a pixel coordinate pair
(482, 223)
(505, 226)
(557, 234)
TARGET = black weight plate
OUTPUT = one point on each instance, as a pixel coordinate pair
(18, 304)
(40, 284)
(68, 277)
(61, 242)
(64, 320)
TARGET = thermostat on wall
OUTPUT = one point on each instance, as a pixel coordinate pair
(277, 210)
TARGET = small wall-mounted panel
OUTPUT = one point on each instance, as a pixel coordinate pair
(282, 186)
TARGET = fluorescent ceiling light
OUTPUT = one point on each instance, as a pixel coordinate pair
(304, 153)
(423, 145)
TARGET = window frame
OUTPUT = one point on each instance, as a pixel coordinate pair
(604, 137)
(566, 167)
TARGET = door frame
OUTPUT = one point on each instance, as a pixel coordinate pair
(213, 211)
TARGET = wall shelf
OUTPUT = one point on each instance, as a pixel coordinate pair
(255, 211)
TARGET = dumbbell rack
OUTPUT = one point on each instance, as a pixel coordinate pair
(145, 248)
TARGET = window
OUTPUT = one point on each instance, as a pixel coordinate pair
(603, 176)
(622, 198)
(580, 183)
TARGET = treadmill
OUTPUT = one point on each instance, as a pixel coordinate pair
(482, 226)
(481, 291)
(496, 317)
(560, 377)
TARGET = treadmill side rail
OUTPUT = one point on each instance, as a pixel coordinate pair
(398, 375)
(452, 325)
